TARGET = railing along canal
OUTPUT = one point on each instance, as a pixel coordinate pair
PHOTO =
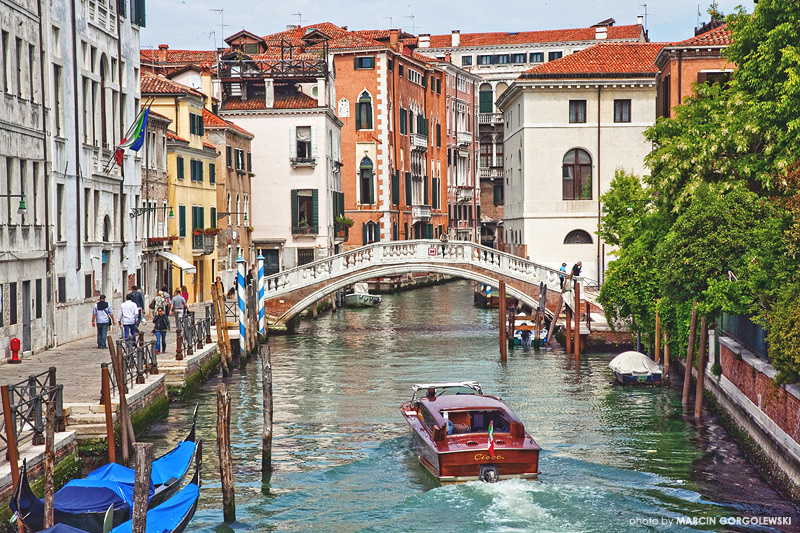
(194, 333)
(24, 408)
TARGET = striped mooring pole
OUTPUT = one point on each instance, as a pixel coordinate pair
(262, 299)
(240, 291)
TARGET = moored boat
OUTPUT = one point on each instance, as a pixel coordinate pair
(462, 434)
(360, 297)
(635, 368)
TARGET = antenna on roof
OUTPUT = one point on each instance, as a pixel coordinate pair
(413, 26)
(390, 21)
(299, 19)
(222, 24)
(645, 16)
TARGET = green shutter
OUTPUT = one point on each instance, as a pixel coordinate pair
(179, 164)
(123, 6)
(485, 102)
(213, 217)
(394, 231)
(395, 187)
(140, 13)
(378, 232)
(295, 222)
(249, 161)
(438, 135)
(212, 173)
(202, 124)
(202, 212)
(405, 230)
(315, 208)
(182, 220)
(364, 232)
(229, 155)
(408, 188)
(425, 189)
(200, 171)
(192, 128)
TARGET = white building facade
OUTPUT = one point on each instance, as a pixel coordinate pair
(569, 126)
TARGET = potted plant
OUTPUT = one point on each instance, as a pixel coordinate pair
(197, 231)
(304, 226)
(211, 231)
(343, 221)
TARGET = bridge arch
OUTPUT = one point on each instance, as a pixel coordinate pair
(290, 292)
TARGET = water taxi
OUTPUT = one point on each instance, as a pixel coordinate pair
(462, 434)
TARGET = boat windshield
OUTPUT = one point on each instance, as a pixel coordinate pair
(443, 389)
(476, 421)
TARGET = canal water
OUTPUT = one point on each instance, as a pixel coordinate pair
(613, 459)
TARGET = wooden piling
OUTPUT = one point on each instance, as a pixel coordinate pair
(577, 347)
(568, 322)
(125, 426)
(224, 445)
(687, 375)
(11, 439)
(503, 340)
(49, 464)
(701, 369)
(658, 338)
(219, 319)
(106, 393)
(559, 308)
(141, 485)
(266, 388)
(511, 320)
(665, 375)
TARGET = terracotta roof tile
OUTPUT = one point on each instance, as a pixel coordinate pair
(207, 144)
(627, 33)
(160, 85)
(720, 36)
(201, 58)
(159, 115)
(282, 101)
(340, 39)
(172, 136)
(210, 120)
(621, 59)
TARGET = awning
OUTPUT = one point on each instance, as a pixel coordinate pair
(183, 264)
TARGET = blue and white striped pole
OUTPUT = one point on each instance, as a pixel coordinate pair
(262, 299)
(240, 291)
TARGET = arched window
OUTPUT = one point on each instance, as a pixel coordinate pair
(486, 99)
(577, 175)
(106, 229)
(364, 112)
(370, 232)
(578, 236)
(365, 173)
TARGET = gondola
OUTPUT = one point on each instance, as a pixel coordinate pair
(82, 503)
(171, 516)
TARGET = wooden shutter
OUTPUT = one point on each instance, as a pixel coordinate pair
(425, 190)
(378, 232)
(364, 232)
(212, 173)
(315, 208)
(294, 209)
(229, 156)
(192, 128)
(408, 189)
(213, 221)
(314, 142)
(293, 142)
(395, 187)
(182, 220)
(179, 163)
(394, 231)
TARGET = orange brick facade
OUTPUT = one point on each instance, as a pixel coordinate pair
(405, 159)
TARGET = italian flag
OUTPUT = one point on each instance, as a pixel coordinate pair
(134, 138)
(491, 439)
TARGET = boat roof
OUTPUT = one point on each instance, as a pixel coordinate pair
(449, 384)
(463, 401)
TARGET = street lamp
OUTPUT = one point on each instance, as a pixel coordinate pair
(23, 209)
(138, 211)
(228, 213)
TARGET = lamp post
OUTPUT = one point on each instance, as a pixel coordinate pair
(22, 209)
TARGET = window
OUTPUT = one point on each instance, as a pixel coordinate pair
(577, 175)
(486, 153)
(182, 220)
(554, 55)
(403, 121)
(61, 296)
(500, 59)
(364, 112)
(536, 57)
(179, 162)
(303, 134)
(370, 232)
(87, 286)
(518, 58)
(484, 60)
(250, 48)
(196, 170)
(239, 156)
(38, 300)
(578, 236)
(12, 302)
(622, 110)
(498, 194)
(305, 256)
(229, 156)
(400, 70)
(196, 124)
(498, 162)
(212, 173)
(365, 62)
(250, 161)
(577, 111)
(466, 61)
(6, 68)
(365, 173)
(486, 99)
(304, 211)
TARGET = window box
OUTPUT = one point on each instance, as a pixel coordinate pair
(211, 231)
(303, 161)
(197, 231)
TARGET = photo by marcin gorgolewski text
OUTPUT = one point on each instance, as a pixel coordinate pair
(760, 521)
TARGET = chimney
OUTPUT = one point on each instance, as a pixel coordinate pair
(269, 94)
(455, 39)
(639, 20)
(291, 27)
(394, 37)
(162, 53)
(601, 32)
(447, 57)
(424, 40)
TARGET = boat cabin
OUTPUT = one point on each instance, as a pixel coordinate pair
(463, 414)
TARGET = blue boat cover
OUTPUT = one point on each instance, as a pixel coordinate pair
(92, 496)
(169, 514)
(117, 474)
(61, 528)
(174, 463)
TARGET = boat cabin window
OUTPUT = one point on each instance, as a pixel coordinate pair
(427, 418)
(478, 421)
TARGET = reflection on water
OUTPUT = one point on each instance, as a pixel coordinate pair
(343, 459)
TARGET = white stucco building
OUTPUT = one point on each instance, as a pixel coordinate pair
(569, 124)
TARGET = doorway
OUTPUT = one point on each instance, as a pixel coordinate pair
(26, 316)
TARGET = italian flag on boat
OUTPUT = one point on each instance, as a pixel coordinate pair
(134, 139)
(491, 439)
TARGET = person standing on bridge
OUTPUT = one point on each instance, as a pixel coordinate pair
(576, 269)
(561, 277)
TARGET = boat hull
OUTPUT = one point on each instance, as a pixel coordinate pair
(361, 300)
(633, 379)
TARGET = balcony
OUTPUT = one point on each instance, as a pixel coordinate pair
(463, 224)
(305, 230)
(492, 172)
(303, 161)
(419, 142)
(490, 118)
(161, 243)
(464, 138)
(203, 244)
(421, 213)
(464, 194)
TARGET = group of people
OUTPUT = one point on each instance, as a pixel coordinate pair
(132, 315)
(574, 272)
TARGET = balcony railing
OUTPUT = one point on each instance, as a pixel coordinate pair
(305, 230)
(464, 194)
(464, 137)
(490, 118)
(419, 141)
(492, 172)
(303, 161)
(421, 213)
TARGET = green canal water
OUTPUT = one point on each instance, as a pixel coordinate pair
(613, 459)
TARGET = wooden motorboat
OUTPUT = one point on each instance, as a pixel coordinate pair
(635, 368)
(462, 434)
(82, 503)
(360, 297)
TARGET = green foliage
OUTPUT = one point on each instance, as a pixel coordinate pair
(625, 205)
(783, 335)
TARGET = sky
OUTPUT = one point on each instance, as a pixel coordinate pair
(198, 24)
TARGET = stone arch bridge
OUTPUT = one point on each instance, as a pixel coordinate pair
(290, 292)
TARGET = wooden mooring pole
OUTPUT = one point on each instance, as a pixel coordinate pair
(224, 445)
(687, 375)
(217, 299)
(577, 346)
(266, 389)
(665, 376)
(568, 322)
(141, 485)
(657, 357)
(106, 393)
(125, 425)
(503, 340)
(701, 369)
(49, 464)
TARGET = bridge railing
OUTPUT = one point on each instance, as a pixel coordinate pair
(27, 407)
(400, 252)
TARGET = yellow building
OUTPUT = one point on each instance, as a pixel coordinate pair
(191, 185)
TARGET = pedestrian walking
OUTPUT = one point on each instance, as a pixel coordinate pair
(128, 313)
(102, 318)
(160, 328)
(138, 299)
(178, 307)
(185, 293)
(250, 277)
(561, 277)
(221, 285)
